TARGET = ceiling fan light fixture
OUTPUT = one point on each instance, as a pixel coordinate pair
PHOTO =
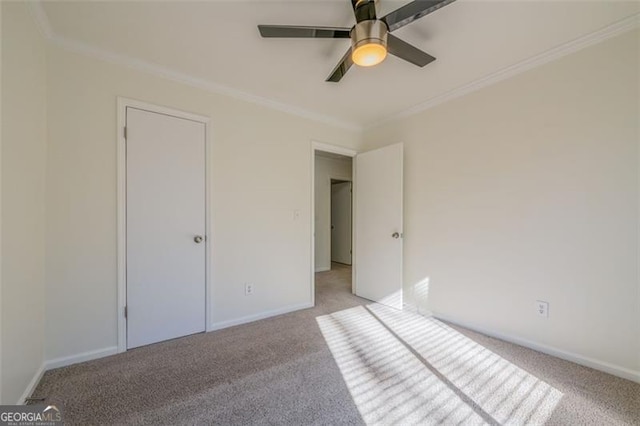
(369, 43)
(371, 40)
(368, 55)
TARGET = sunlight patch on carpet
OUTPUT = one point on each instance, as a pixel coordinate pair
(401, 367)
(387, 382)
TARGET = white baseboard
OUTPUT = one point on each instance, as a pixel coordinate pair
(607, 367)
(256, 317)
(82, 357)
(323, 269)
(33, 384)
(62, 362)
(112, 350)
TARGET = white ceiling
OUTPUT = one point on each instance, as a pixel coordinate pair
(217, 41)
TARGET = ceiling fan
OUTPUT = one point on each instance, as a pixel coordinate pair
(371, 37)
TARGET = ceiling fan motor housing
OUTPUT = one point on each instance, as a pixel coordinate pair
(370, 38)
(369, 32)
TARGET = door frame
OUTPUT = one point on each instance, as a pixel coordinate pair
(122, 105)
(324, 147)
(330, 203)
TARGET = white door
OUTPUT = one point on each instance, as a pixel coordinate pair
(378, 224)
(341, 222)
(165, 221)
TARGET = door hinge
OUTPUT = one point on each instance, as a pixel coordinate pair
(125, 132)
(125, 312)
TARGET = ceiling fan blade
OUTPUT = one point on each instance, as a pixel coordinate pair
(409, 53)
(291, 31)
(412, 11)
(365, 10)
(342, 68)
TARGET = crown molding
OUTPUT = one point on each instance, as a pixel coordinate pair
(169, 74)
(148, 67)
(40, 16)
(627, 24)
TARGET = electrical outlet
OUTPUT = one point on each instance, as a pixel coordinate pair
(542, 308)
(248, 289)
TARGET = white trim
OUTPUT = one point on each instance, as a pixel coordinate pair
(329, 206)
(323, 269)
(334, 149)
(208, 265)
(617, 28)
(312, 277)
(133, 103)
(262, 315)
(347, 152)
(63, 362)
(402, 233)
(354, 272)
(169, 74)
(627, 24)
(122, 104)
(121, 226)
(596, 364)
(87, 49)
(40, 16)
(81, 357)
(33, 384)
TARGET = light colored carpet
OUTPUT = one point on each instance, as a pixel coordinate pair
(346, 361)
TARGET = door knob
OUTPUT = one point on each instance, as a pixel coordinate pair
(395, 235)
(198, 239)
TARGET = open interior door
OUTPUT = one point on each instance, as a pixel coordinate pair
(341, 222)
(378, 225)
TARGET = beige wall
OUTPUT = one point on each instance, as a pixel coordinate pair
(261, 174)
(528, 190)
(23, 195)
(325, 170)
(524, 190)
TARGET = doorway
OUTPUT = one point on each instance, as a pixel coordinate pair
(333, 177)
(341, 221)
(163, 223)
(332, 251)
(377, 234)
